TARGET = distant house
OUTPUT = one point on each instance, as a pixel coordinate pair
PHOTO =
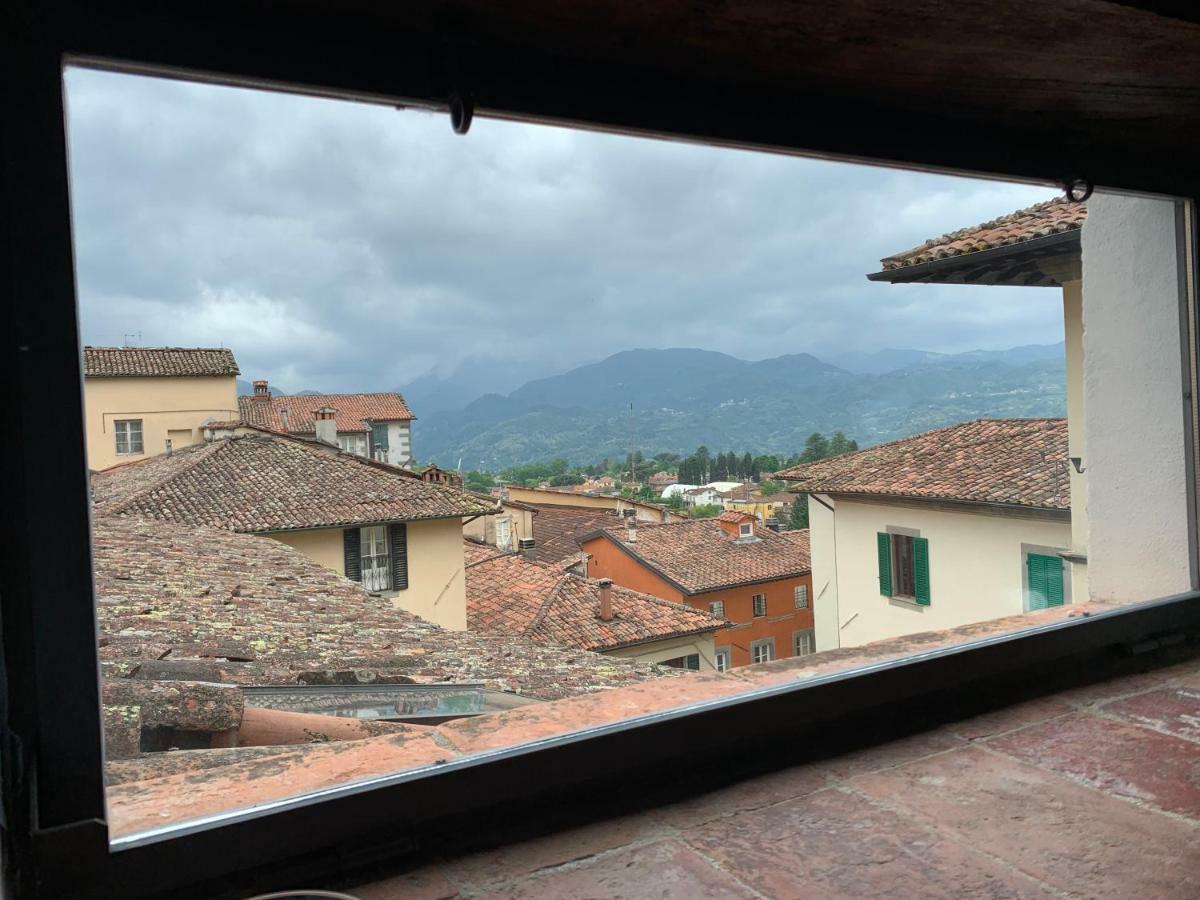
(660, 481)
(729, 566)
(1035, 247)
(771, 506)
(437, 475)
(508, 594)
(372, 522)
(510, 529)
(645, 512)
(142, 401)
(375, 426)
(951, 527)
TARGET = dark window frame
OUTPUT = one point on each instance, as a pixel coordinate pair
(757, 601)
(59, 816)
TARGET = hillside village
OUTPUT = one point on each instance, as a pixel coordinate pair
(276, 570)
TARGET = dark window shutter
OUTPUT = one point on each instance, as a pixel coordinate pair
(379, 437)
(398, 538)
(352, 547)
(885, 563)
(921, 569)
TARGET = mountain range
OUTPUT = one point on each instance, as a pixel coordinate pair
(676, 399)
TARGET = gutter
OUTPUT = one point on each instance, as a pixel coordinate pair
(907, 274)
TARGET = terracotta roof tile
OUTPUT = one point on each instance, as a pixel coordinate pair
(354, 411)
(799, 537)
(1014, 461)
(211, 605)
(557, 529)
(261, 482)
(1041, 220)
(508, 594)
(150, 362)
(700, 556)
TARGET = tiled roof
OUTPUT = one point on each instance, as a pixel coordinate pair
(211, 605)
(699, 555)
(1043, 219)
(353, 411)
(261, 482)
(507, 594)
(557, 529)
(1013, 461)
(734, 516)
(149, 362)
(799, 537)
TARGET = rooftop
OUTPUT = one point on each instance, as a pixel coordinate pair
(507, 594)
(204, 604)
(699, 555)
(799, 537)
(1017, 462)
(262, 482)
(152, 362)
(557, 529)
(294, 415)
(1027, 247)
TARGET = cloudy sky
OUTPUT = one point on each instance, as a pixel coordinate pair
(350, 247)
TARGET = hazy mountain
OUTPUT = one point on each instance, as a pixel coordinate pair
(891, 360)
(475, 376)
(682, 398)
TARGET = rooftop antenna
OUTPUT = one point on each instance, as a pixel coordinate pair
(136, 339)
(632, 466)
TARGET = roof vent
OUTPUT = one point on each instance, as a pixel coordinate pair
(260, 390)
(525, 547)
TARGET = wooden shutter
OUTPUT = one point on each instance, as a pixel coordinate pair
(885, 563)
(352, 552)
(1054, 581)
(1045, 581)
(921, 569)
(398, 538)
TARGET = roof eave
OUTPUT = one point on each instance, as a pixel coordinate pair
(970, 268)
(995, 505)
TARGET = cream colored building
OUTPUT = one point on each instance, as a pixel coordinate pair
(646, 512)
(374, 523)
(142, 401)
(505, 530)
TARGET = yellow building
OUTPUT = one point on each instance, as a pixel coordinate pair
(142, 401)
(375, 523)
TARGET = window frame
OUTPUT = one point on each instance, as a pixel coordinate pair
(800, 596)
(126, 432)
(811, 634)
(54, 705)
(767, 644)
(722, 652)
(717, 608)
(755, 601)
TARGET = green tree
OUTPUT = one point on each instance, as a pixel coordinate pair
(839, 444)
(798, 517)
(645, 492)
(706, 511)
(768, 487)
(565, 480)
(816, 447)
(675, 502)
(480, 482)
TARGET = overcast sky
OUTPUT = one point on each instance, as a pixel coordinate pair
(350, 247)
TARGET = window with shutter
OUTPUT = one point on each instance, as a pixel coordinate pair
(379, 437)
(1045, 581)
(884, 542)
(921, 570)
(352, 554)
(398, 536)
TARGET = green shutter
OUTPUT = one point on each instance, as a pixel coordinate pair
(1045, 581)
(921, 569)
(884, 542)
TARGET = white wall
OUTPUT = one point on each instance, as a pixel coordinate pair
(399, 443)
(1076, 436)
(976, 568)
(824, 573)
(1138, 546)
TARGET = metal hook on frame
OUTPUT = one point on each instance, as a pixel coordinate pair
(1077, 189)
(462, 111)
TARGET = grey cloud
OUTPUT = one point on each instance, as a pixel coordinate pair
(342, 246)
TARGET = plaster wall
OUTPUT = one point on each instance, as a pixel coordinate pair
(661, 651)
(1076, 437)
(823, 546)
(1138, 540)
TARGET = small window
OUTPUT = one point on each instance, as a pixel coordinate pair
(760, 605)
(746, 529)
(691, 661)
(717, 608)
(353, 443)
(762, 651)
(904, 567)
(376, 560)
(721, 660)
(129, 436)
(802, 596)
(803, 642)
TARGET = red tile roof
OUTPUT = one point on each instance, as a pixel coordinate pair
(1022, 462)
(557, 529)
(700, 556)
(1041, 220)
(733, 515)
(354, 411)
(261, 482)
(151, 362)
(507, 594)
(799, 537)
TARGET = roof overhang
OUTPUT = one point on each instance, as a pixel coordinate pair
(952, 504)
(1049, 261)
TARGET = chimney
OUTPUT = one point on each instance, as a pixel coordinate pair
(325, 422)
(260, 390)
(525, 547)
(606, 610)
(631, 530)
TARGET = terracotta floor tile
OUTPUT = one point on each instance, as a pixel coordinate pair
(798, 781)
(1068, 835)
(893, 753)
(837, 844)
(1124, 759)
(483, 869)
(665, 871)
(424, 884)
(1171, 710)
(1009, 718)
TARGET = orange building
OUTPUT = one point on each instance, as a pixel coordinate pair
(731, 567)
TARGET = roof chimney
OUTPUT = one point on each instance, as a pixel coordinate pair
(260, 390)
(631, 530)
(525, 547)
(606, 610)
(325, 422)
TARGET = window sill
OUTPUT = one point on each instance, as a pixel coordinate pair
(907, 603)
